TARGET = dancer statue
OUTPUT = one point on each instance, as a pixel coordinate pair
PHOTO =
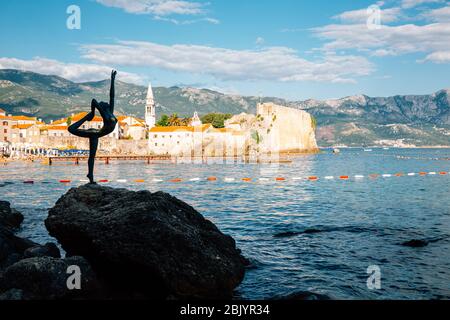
(109, 124)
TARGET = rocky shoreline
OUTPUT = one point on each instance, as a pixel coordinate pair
(120, 244)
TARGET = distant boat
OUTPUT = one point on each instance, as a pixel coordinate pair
(336, 151)
(385, 148)
(368, 150)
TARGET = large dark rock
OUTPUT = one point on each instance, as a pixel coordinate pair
(47, 250)
(9, 217)
(46, 278)
(147, 243)
(12, 248)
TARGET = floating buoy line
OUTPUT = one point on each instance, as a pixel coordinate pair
(278, 179)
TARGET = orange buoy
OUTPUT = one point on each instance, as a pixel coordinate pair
(280, 179)
(103, 181)
(212, 179)
(176, 180)
(423, 173)
(246, 179)
(313, 178)
(344, 177)
(399, 174)
(374, 176)
(65, 181)
(139, 181)
(443, 173)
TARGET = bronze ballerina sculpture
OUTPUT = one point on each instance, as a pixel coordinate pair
(109, 125)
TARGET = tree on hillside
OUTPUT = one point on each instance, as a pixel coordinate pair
(216, 119)
(173, 121)
(163, 121)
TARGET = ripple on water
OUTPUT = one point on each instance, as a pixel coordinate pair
(300, 236)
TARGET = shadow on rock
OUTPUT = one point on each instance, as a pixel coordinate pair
(148, 245)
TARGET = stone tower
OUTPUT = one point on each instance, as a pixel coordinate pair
(150, 109)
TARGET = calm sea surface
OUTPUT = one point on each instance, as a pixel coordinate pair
(301, 236)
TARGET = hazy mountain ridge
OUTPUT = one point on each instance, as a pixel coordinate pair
(355, 120)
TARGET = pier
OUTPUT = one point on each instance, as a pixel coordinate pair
(108, 159)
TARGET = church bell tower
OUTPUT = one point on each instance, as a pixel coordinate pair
(150, 109)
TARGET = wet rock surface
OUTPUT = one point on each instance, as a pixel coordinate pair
(146, 244)
(46, 278)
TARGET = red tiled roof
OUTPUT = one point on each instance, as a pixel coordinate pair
(22, 126)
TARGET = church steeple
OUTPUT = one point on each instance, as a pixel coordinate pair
(150, 110)
(195, 121)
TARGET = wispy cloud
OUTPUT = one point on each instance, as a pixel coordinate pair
(432, 40)
(408, 4)
(164, 10)
(361, 15)
(273, 63)
(71, 71)
(187, 22)
(260, 41)
(439, 14)
(156, 7)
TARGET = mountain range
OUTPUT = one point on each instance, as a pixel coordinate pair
(420, 120)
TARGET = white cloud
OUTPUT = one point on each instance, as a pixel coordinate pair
(439, 15)
(273, 63)
(438, 57)
(408, 4)
(361, 16)
(260, 41)
(389, 40)
(71, 71)
(187, 22)
(156, 7)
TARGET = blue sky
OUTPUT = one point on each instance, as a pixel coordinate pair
(295, 49)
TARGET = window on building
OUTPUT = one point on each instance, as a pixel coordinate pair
(5, 130)
(4, 138)
(21, 135)
(156, 144)
(5, 123)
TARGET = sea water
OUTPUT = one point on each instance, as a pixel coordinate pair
(319, 236)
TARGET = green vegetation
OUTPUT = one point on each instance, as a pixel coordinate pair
(216, 119)
(256, 136)
(313, 122)
(173, 121)
(69, 121)
(421, 120)
(163, 121)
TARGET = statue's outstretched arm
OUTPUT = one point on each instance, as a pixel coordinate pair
(112, 91)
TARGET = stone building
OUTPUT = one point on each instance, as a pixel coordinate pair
(276, 129)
